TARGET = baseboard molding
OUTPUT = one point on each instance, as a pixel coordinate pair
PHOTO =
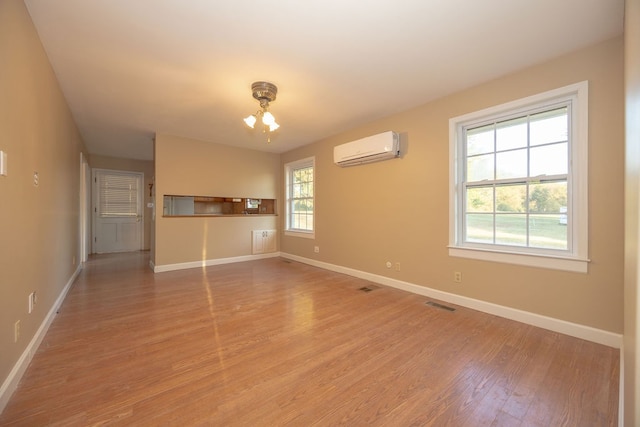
(573, 329)
(11, 382)
(209, 262)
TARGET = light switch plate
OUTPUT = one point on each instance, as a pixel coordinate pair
(3, 163)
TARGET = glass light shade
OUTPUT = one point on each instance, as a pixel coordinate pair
(273, 126)
(250, 121)
(268, 119)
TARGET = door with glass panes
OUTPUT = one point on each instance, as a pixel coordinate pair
(117, 211)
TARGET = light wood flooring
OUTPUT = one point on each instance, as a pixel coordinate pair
(274, 342)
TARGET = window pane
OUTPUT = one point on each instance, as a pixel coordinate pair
(303, 205)
(479, 228)
(118, 195)
(511, 198)
(480, 140)
(549, 126)
(302, 221)
(548, 197)
(511, 229)
(480, 199)
(304, 190)
(511, 164)
(480, 167)
(547, 232)
(295, 221)
(511, 134)
(302, 175)
(549, 160)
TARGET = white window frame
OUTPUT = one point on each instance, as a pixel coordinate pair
(575, 258)
(288, 170)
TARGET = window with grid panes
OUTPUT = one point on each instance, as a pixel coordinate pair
(300, 197)
(118, 195)
(519, 181)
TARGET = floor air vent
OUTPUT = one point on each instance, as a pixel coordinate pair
(436, 305)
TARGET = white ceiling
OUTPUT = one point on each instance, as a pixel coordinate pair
(131, 68)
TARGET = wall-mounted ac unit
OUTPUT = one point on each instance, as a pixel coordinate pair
(373, 148)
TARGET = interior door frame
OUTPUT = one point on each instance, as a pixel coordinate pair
(85, 209)
(94, 203)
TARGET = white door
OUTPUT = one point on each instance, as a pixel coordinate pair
(117, 213)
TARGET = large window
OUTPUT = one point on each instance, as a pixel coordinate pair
(300, 198)
(519, 181)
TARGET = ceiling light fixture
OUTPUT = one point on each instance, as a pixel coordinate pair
(264, 92)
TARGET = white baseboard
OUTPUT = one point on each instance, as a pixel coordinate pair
(11, 382)
(209, 262)
(573, 329)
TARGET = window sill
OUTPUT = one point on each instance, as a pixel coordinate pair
(531, 260)
(303, 234)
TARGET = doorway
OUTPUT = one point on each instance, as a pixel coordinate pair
(118, 223)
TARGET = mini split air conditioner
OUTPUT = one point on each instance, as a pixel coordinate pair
(373, 148)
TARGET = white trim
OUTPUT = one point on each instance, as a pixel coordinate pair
(576, 258)
(621, 388)
(303, 234)
(288, 167)
(537, 260)
(13, 379)
(588, 333)
(84, 209)
(209, 262)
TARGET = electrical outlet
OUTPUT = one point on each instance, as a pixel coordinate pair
(16, 331)
(457, 277)
(397, 266)
(316, 249)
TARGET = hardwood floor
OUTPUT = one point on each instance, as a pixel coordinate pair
(274, 342)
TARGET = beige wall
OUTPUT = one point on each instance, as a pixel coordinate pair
(195, 168)
(632, 216)
(131, 165)
(390, 211)
(39, 226)
(397, 210)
